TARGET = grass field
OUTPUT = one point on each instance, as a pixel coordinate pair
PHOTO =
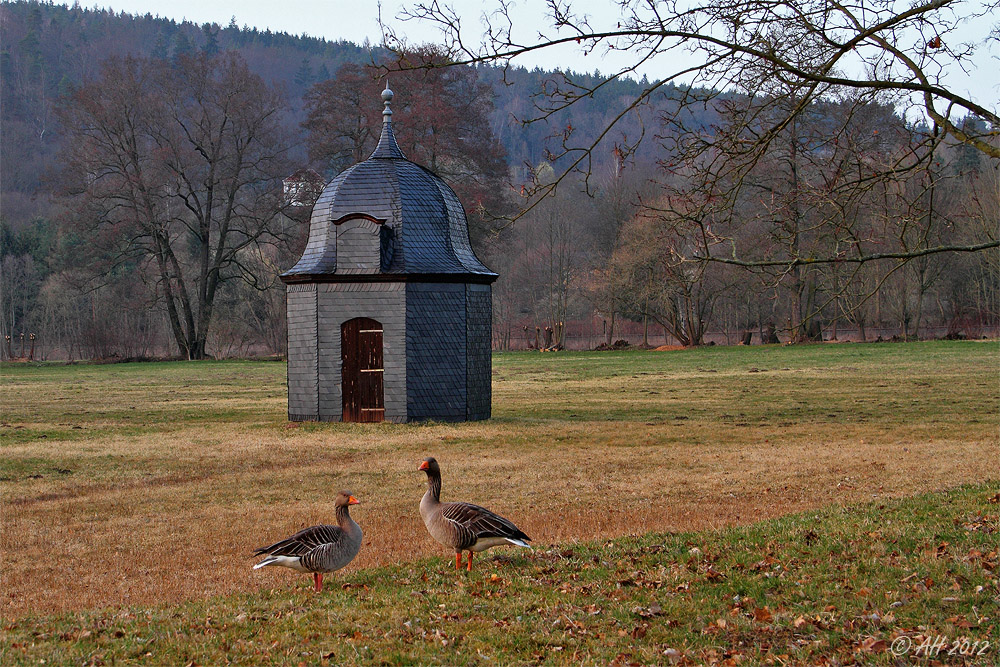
(143, 487)
(869, 585)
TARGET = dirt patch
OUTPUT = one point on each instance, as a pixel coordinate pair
(669, 348)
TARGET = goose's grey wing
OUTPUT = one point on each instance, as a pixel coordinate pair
(304, 541)
(478, 522)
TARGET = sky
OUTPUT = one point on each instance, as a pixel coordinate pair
(357, 20)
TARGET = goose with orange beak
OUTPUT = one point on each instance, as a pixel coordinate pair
(463, 526)
(318, 549)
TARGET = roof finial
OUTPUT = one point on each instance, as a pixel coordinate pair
(386, 99)
(387, 147)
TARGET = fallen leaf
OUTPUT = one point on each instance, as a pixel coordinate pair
(648, 612)
(872, 645)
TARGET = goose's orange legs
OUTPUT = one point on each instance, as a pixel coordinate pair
(458, 561)
(318, 581)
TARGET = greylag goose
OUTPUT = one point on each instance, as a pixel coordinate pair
(318, 549)
(463, 526)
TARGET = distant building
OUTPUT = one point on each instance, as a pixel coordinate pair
(303, 187)
(389, 310)
(301, 190)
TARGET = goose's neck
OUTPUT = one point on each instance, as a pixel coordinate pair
(433, 494)
(344, 519)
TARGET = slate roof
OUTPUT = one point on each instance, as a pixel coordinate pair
(429, 230)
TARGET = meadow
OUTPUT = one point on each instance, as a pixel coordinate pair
(654, 485)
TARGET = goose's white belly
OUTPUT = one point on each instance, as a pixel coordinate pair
(484, 543)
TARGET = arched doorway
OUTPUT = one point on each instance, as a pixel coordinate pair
(361, 370)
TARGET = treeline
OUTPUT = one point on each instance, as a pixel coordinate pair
(606, 257)
(579, 271)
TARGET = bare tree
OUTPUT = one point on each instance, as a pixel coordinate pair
(19, 287)
(177, 166)
(677, 294)
(343, 117)
(776, 61)
(554, 234)
(440, 120)
(970, 298)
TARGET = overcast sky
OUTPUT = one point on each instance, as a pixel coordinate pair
(357, 20)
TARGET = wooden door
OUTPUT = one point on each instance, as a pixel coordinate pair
(361, 358)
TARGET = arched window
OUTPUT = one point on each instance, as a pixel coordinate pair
(364, 244)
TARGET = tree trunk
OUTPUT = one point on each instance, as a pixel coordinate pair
(770, 335)
(836, 304)
(645, 324)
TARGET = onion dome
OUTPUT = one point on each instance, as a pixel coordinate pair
(387, 217)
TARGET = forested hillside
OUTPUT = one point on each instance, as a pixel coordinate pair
(593, 263)
(48, 49)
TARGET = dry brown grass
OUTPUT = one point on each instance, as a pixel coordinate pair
(159, 517)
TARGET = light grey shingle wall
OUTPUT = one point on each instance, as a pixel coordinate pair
(302, 363)
(384, 302)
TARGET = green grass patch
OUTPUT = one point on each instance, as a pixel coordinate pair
(87, 401)
(731, 390)
(866, 584)
(848, 383)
